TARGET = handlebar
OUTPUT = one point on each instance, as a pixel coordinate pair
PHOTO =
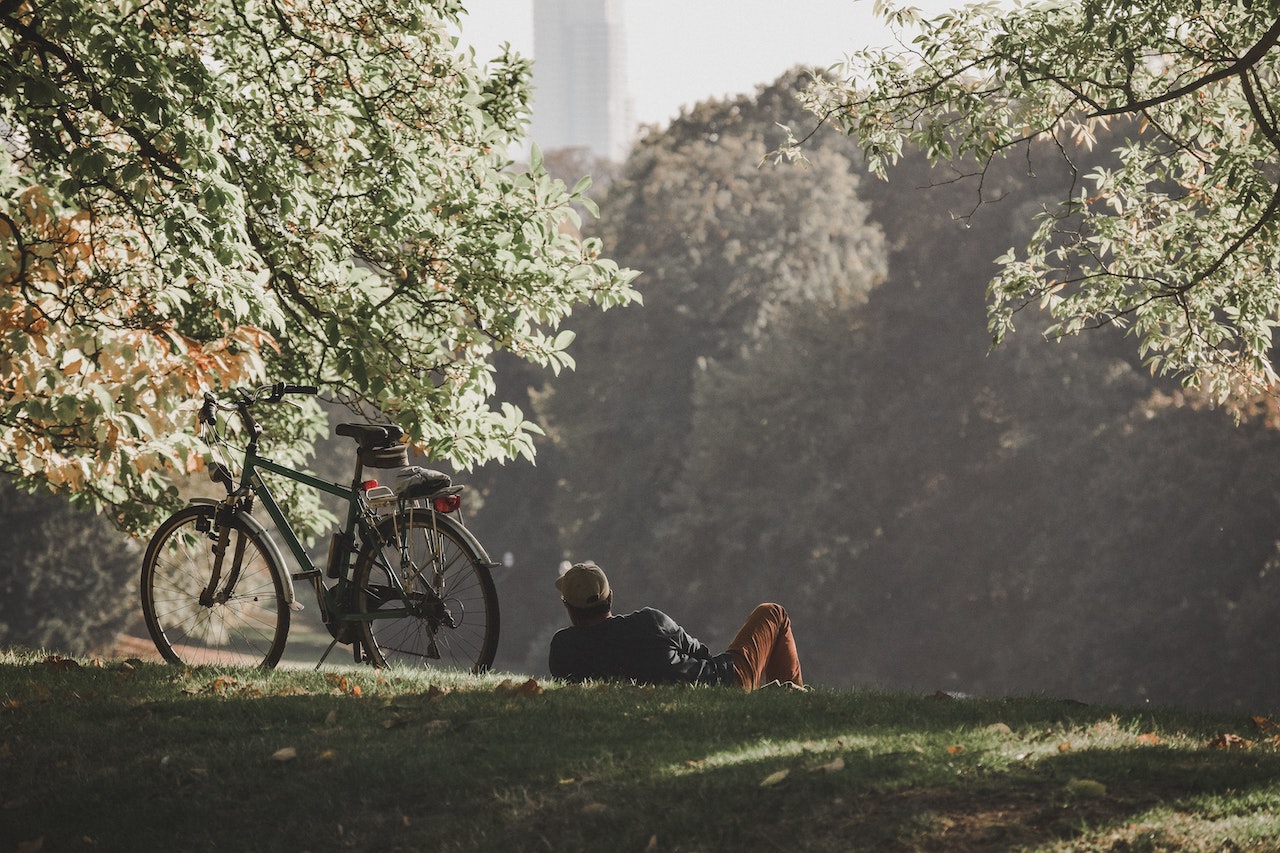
(246, 397)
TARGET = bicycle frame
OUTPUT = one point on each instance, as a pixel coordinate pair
(397, 562)
(253, 463)
(251, 483)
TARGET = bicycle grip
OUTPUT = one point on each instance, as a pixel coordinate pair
(209, 409)
(279, 389)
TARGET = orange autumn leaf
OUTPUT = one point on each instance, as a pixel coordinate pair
(1230, 741)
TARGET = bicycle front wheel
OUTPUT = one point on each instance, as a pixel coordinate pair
(426, 596)
(240, 617)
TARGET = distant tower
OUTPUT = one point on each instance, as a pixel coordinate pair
(579, 77)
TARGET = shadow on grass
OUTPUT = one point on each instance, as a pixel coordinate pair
(170, 759)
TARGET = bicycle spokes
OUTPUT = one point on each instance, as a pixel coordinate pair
(198, 611)
(444, 607)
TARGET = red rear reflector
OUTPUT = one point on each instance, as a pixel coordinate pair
(369, 484)
(446, 503)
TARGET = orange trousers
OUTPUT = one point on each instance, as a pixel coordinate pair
(764, 649)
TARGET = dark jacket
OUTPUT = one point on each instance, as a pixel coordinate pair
(647, 647)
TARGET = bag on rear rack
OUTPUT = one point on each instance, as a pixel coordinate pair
(413, 482)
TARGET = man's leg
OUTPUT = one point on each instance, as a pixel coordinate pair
(764, 649)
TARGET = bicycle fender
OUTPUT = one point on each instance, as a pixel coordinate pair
(257, 528)
(457, 527)
(461, 530)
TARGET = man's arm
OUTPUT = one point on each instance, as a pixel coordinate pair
(691, 660)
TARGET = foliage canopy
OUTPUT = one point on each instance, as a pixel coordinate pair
(1174, 238)
(205, 194)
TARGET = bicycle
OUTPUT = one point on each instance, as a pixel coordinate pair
(410, 584)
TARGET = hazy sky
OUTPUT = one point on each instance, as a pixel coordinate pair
(683, 51)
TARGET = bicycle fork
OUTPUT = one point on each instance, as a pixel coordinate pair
(209, 596)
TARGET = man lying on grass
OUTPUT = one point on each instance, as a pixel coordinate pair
(648, 647)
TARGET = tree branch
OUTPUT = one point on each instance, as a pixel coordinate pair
(1250, 58)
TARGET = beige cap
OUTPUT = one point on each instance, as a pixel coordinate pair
(583, 585)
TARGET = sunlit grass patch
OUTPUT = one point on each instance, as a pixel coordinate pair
(768, 750)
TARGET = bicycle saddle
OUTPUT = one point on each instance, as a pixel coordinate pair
(371, 436)
(380, 445)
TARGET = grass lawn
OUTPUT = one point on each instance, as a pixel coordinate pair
(110, 755)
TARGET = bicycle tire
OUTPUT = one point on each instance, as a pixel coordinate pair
(448, 620)
(243, 625)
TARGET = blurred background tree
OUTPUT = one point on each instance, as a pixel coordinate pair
(71, 578)
(1044, 516)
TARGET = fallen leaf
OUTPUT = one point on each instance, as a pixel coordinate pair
(774, 778)
(1149, 739)
(288, 753)
(292, 690)
(1266, 725)
(1065, 746)
(331, 717)
(1229, 741)
(833, 766)
(956, 749)
(1000, 728)
(60, 663)
(594, 808)
(510, 688)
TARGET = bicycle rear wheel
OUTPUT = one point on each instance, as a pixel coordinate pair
(429, 595)
(244, 620)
